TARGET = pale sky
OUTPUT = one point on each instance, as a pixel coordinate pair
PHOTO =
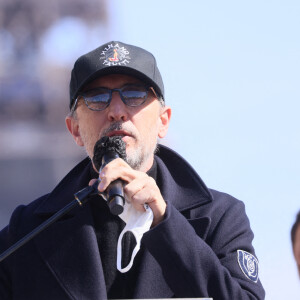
(231, 71)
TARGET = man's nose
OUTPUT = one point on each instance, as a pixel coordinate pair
(117, 110)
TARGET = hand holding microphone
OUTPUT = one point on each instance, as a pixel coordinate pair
(140, 189)
(106, 150)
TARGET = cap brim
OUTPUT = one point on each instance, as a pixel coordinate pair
(118, 70)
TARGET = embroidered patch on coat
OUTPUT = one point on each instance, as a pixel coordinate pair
(248, 264)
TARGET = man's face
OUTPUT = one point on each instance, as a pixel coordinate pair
(140, 126)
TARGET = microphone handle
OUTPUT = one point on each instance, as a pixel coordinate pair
(115, 197)
(114, 192)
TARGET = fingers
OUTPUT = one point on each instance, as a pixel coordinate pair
(139, 188)
(116, 169)
(138, 191)
(144, 190)
(92, 181)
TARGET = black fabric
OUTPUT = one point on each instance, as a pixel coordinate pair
(153, 171)
(179, 258)
(108, 227)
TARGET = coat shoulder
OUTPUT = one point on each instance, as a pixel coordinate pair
(223, 201)
(22, 221)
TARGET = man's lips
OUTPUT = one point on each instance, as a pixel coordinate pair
(118, 133)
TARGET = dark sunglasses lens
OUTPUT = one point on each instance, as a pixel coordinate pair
(97, 99)
(135, 95)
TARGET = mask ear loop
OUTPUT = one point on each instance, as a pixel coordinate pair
(120, 251)
(138, 226)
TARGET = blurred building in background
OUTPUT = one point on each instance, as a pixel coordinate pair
(40, 40)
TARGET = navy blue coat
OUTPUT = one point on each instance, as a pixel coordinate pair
(192, 253)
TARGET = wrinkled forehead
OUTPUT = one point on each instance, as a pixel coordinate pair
(112, 81)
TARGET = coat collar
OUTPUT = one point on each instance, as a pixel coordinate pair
(179, 183)
(70, 251)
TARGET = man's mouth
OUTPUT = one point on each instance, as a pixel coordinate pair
(121, 133)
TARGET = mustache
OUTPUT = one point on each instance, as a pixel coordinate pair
(118, 126)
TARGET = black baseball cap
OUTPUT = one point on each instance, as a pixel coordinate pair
(115, 58)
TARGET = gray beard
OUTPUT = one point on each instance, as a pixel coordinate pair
(136, 159)
(135, 162)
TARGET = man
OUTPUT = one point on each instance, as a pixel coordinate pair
(199, 243)
(295, 236)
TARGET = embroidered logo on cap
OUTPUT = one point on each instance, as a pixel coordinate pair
(114, 55)
(248, 264)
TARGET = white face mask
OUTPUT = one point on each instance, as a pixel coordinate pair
(138, 223)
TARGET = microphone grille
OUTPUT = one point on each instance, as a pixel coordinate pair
(108, 144)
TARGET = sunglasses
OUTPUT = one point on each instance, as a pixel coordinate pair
(98, 99)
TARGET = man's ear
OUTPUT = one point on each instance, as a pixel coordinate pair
(165, 117)
(73, 127)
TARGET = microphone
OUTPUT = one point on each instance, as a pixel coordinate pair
(106, 150)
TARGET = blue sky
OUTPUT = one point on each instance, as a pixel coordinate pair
(231, 71)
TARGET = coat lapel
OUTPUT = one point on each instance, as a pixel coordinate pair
(69, 247)
(183, 187)
(178, 181)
